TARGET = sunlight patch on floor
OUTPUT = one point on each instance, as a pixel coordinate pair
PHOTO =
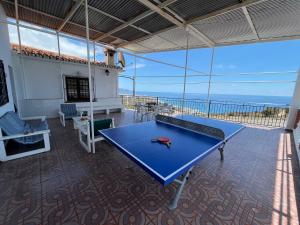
(284, 199)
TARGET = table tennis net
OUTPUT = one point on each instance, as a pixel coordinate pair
(195, 127)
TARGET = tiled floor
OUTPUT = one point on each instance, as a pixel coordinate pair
(257, 183)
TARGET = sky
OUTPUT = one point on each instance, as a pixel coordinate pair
(232, 62)
(230, 66)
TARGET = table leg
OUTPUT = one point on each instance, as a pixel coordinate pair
(221, 150)
(182, 182)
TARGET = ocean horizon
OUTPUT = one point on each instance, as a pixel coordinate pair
(252, 99)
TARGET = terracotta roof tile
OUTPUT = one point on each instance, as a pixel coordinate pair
(30, 51)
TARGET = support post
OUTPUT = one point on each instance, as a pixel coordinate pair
(18, 27)
(134, 77)
(185, 71)
(89, 72)
(209, 81)
(94, 45)
(20, 55)
(60, 67)
(295, 106)
(94, 73)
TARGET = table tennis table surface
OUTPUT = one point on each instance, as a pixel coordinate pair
(163, 163)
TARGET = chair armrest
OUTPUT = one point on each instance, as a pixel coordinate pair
(61, 113)
(35, 118)
(24, 135)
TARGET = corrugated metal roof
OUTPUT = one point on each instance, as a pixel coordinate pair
(228, 27)
(178, 36)
(276, 18)
(189, 9)
(123, 9)
(154, 23)
(97, 21)
(272, 20)
(9, 9)
(57, 8)
(129, 34)
(79, 31)
(37, 18)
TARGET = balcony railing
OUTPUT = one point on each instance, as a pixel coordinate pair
(268, 115)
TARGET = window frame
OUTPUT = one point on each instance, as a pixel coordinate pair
(79, 91)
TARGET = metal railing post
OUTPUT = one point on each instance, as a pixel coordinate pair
(258, 114)
(208, 109)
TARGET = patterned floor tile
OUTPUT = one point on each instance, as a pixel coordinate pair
(69, 186)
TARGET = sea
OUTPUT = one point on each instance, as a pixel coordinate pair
(221, 103)
(239, 99)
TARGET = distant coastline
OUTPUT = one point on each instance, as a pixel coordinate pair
(253, 99)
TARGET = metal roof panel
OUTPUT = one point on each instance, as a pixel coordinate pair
(97, 20)
(154, 23)
(228, 27)
(54, 7)
(189, 9)
(123, 9)
(276, 18)
(129, 34)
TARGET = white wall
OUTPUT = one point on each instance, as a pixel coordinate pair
(40, 89)
(5, 55)
(295, 105)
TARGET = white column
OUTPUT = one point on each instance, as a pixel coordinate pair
(295, 105)
(89, 72)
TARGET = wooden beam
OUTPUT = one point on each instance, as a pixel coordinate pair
(250, 22)
(70, 14)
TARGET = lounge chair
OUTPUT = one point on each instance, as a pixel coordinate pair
(85, 133)
(31, 138)
(67, 111)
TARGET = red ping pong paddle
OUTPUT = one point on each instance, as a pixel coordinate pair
(163, 140)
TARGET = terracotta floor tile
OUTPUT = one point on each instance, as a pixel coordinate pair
(257, 183)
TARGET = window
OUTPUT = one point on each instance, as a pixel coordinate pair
(3, 87)
(77, 89)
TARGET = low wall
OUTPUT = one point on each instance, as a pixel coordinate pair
(50, 107)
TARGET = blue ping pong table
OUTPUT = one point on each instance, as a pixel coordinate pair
(192, 139)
